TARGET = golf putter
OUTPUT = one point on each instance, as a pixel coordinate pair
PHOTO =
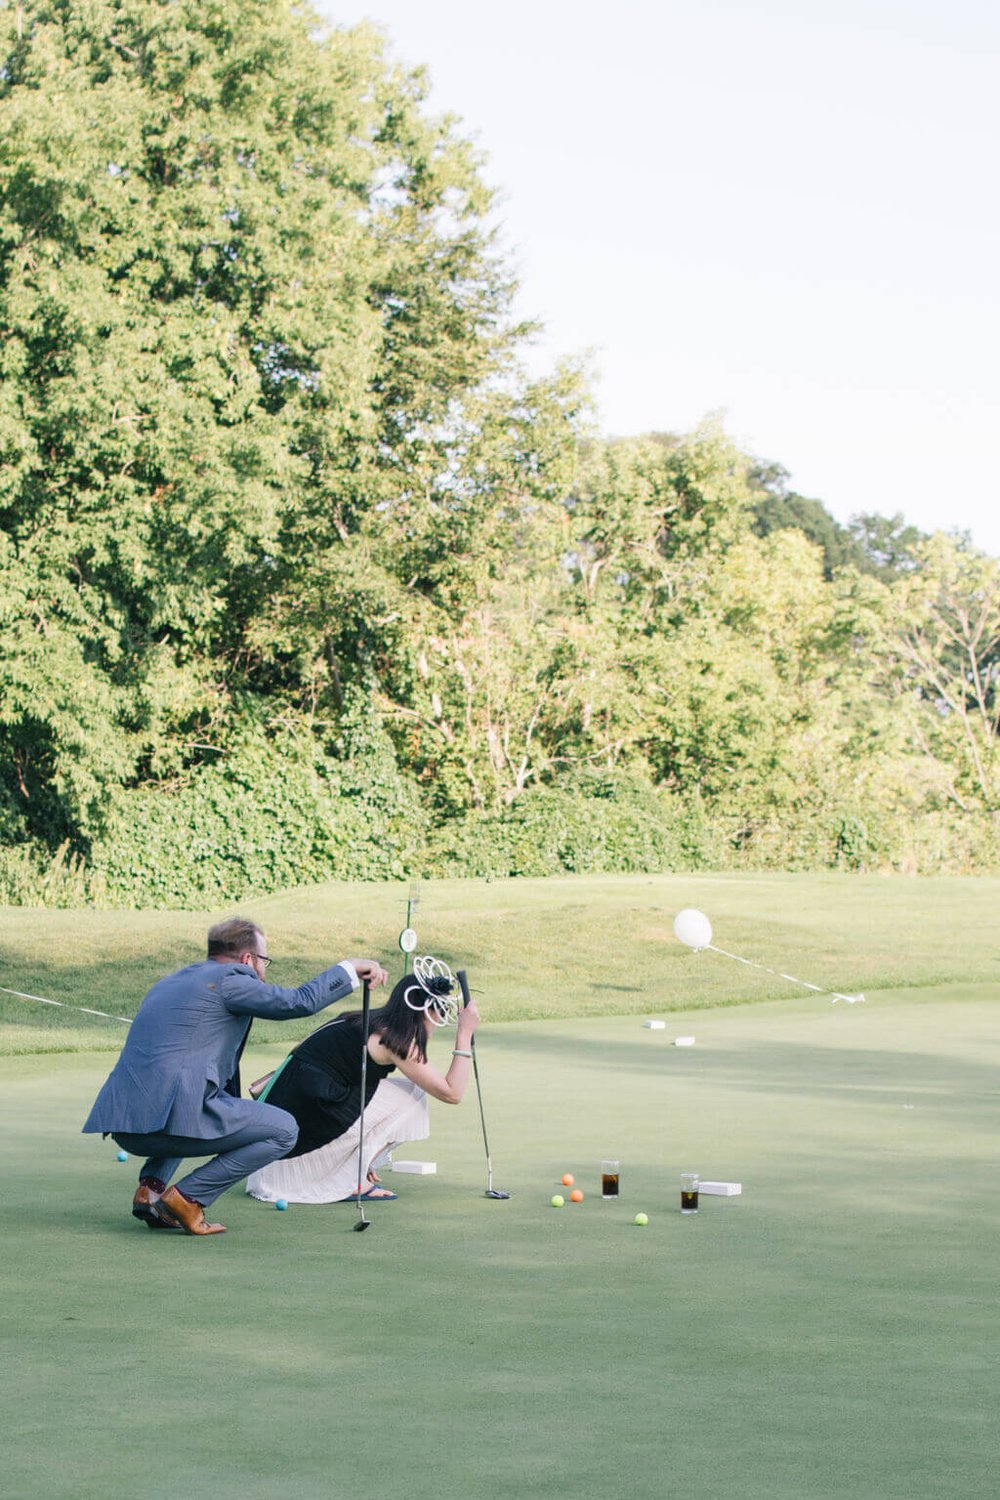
(363, 1223)
(491, 1191)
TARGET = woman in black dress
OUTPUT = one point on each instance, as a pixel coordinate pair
(320, 1085)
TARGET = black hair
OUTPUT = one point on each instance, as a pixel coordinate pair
(400, 1028)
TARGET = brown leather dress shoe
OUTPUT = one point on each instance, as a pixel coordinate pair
(144, 1208)
(178, 1212)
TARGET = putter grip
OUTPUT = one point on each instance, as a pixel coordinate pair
(463, 986)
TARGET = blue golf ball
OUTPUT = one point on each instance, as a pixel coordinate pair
(281, 1203)
(123, 1156)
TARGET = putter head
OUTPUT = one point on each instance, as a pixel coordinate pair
(362, 1224)
(495, 1193)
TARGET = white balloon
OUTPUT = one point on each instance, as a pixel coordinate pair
(693, 928)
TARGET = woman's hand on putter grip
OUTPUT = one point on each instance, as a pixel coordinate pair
(368, 968)
(468, 1019)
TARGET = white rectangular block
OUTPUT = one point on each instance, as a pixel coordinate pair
(721, 1189)
(683, 1041)
(655, 1025)
(421, 1168)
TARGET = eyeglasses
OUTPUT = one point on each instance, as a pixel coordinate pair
(262, 958)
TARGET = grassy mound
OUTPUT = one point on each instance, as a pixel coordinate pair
(578, 946)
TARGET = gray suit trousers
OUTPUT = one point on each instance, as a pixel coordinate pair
(272, 1133)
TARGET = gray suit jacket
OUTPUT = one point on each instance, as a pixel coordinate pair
(184, 1045)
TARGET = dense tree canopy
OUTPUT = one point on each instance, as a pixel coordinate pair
(300, 574)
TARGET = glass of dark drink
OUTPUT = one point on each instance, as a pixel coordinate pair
(609, 1179)
(689, 1192)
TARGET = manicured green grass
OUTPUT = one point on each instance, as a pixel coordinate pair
(831, 1333)
(534, 948)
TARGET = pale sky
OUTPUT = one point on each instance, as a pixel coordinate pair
(783, 210)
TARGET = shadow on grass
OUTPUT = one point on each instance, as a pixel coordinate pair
(773, 1067)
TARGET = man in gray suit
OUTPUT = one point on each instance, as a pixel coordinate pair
(174, 1092)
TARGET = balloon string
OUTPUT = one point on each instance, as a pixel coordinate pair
(83, 1009)
(816, 988)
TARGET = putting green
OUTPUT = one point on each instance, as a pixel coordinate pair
(831, 1333)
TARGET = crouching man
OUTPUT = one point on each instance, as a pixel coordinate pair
(174, 1091)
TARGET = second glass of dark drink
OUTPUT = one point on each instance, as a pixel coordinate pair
(609, 1179)
(689, 1192)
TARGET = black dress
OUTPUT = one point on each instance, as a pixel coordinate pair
(320, 1084)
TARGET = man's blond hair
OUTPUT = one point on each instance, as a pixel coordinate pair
(233, 936)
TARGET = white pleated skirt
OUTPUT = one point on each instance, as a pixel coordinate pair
(397, 1112)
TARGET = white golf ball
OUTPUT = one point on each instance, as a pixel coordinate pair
(692, 928)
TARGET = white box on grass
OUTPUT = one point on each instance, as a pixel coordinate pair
(683, 1041)
(721, 1189)
(421, 1168)
(655, 1025)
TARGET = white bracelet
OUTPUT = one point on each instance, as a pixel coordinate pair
(456, 1052)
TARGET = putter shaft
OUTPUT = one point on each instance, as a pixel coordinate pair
(363, 1223)
(491, 1191)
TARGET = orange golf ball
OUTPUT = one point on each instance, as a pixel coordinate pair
(567, 1179)
(576, 1196)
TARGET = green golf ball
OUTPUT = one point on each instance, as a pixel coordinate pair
(558, 1201)
(123, 1156)
(642, 1219)
(281, 1204)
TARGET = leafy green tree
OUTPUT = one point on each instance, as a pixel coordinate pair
(250, 314)
(786, 510)
(891, 546)
(651, 512)
(940, 650)
(870, 543)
